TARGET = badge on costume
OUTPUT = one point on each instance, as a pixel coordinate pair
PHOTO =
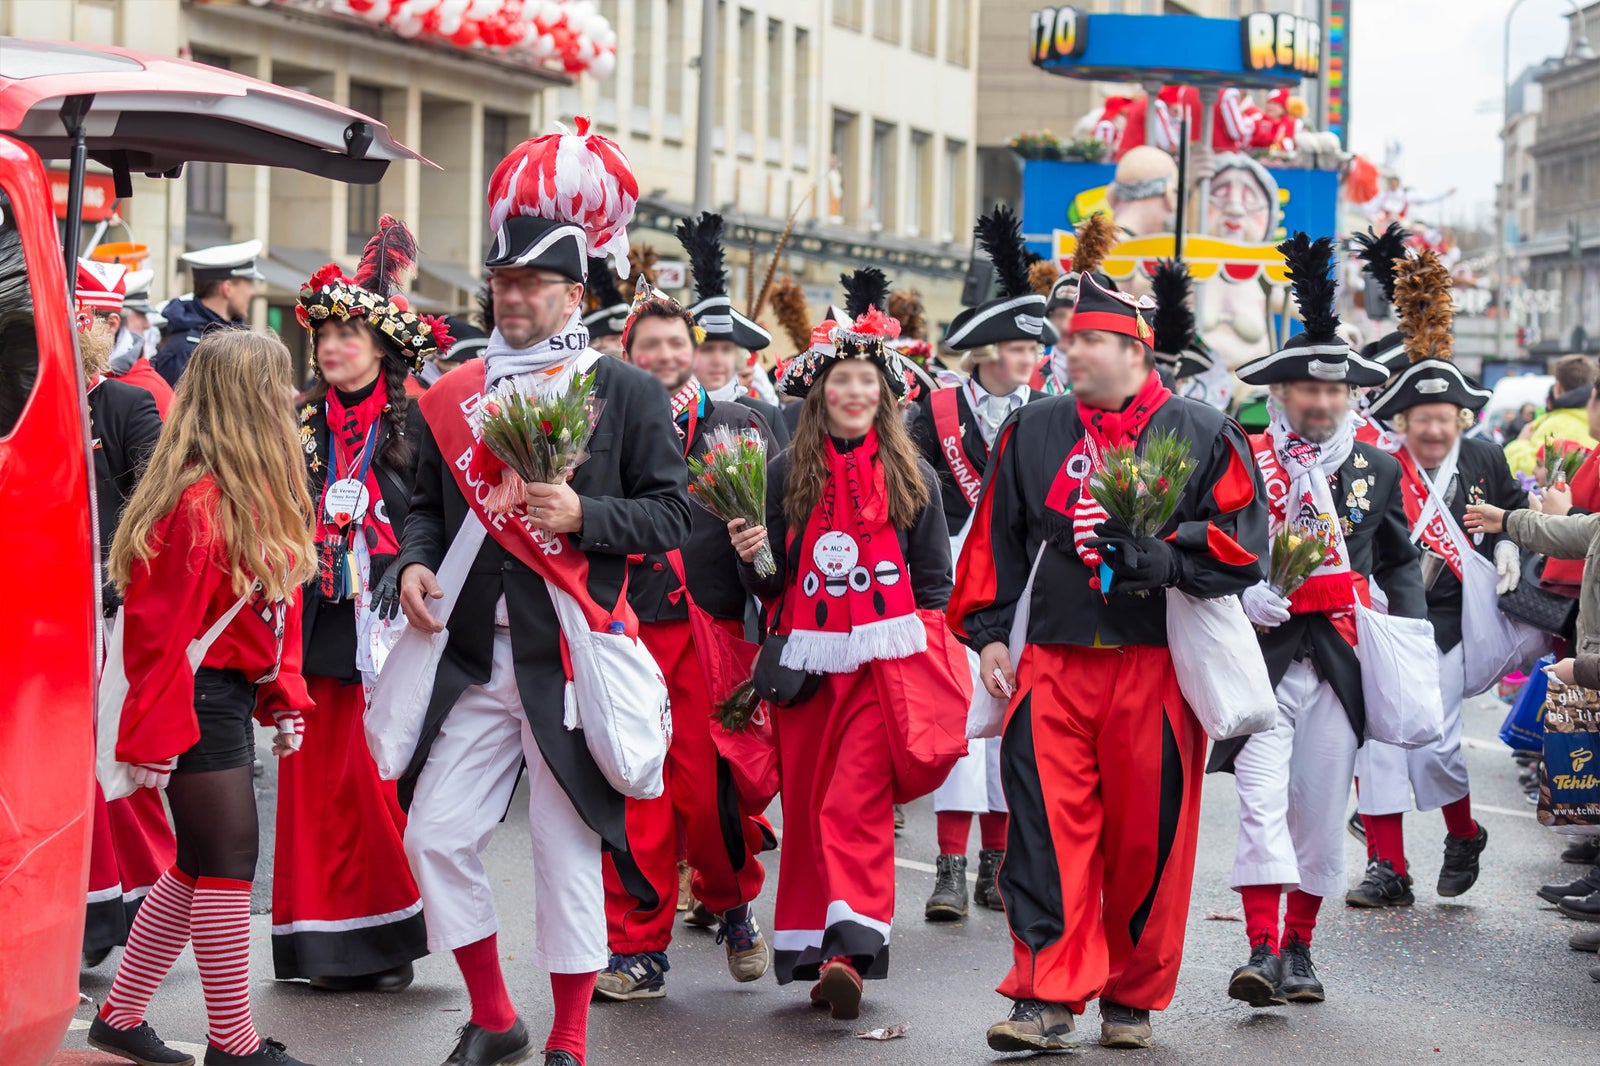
(835, 555)
(346, 501)
(1359, 461)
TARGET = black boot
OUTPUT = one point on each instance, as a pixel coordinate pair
(986, 893)
(397, 979)
(1586, 909)
(1460, 869)
(1582, 852)
(479, 1047)
(1300, 984)
(1587, 882)
(1258, 982)
(1382, 887)
(949, 900)
(139, 1044)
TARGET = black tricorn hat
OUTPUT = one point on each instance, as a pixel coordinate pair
(712, 309)
(1317, 353)
(1017, 313)
(1176, 345)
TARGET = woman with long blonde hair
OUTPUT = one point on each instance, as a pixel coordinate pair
(857, 528)
(213, 546)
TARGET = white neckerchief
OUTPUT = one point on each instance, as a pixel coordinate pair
(727, 393)
(501, 361)
(762, 384)
(125, 351)
(1058, 367)
(991, 408)
(1309, 467)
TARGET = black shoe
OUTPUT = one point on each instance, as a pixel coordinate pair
(949, 900)
(899, 817)
(1258, 982)
(139, 1044)
(397, 979)
(1585, 939)
(560, 1058)
(1034, 1025)
(479, 1047)
(986, 893)
(1382, 887)
(270, 1053)
(1582, 852)
(1300, 984)
(1460, 869)
(1586, 909)
(1357, 827)
(1123, 1027)
(94, 958)
(1586, 884)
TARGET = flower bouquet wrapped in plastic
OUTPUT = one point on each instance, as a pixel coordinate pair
(1561, 461)
(1140, 488)
(1296, 555)
(730, 481)
(540, 439)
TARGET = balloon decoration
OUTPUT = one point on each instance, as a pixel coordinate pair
(571, 34)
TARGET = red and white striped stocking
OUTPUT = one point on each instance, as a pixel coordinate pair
(220, 920)
(160, 930)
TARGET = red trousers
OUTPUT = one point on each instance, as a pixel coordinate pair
(720, 839)
(836, 878)
(1102, 765)
(131, 847)
(343, 899)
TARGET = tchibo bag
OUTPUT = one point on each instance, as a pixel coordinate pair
(1220, 670)
(1569, 775)
(1399, 678)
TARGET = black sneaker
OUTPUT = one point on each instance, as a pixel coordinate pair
(1382, 887)
(986, 893)
(1582, 852)
(1460, 869)
(480, 1047)
(561, 1058)
(1300, 984)
(949, 900)
(1588, 882)
(1123, 1027)
(1034, 1025)
(270, 1053)
(139, 1044)
(1357, 827)
(1258, 982)
(1586, 909)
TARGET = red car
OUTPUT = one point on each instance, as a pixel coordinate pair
(133, 113)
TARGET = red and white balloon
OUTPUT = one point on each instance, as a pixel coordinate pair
(571, 33)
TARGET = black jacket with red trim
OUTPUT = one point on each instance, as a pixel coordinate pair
(711, 564)
(925, 432)
(1220, 530)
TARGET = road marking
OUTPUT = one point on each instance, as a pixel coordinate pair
(1484, 745)
(905, 864)
(1485, 808)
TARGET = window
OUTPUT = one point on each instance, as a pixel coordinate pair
(206, 184)
(847, 13)
(362, 200)
(955, 188)
(675, 65)
(842, 168)
(925, 26)
(881, 214)
(775, 91)
(802, 99)
(919, 184)
(886, 20)
(496, 144)
(606, 88)
(958, 32)
(747, 81)
(19, 344)
(723, 77)
(643, 47)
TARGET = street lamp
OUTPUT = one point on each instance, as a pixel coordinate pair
(1578, 50)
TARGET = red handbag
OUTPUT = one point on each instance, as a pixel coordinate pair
(925, 700)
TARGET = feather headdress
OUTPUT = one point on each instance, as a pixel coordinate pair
(789, 306)
(864, 289)
(1311, 278)
(1173, 324)
(1042, 276)
(906, 305)
(1378, 252)
(387, 258)
(702, 242)
(601, 289)
(1422, 297)
(1096, 237)
(999, 234)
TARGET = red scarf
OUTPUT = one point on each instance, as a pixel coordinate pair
(688, 407)
(348, 429)
(853, 602)
(1414, 494)
(1101, 430)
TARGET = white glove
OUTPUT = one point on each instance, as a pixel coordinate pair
(291, 731)
(152, 774)
(1508, 564)
(1264, 607)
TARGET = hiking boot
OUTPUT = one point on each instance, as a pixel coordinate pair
(1382, 887)
(1258, 981)
(986, 893)
(748, 957)
(1034, 1025)
(1300, 984)
(949, 900)
(270, 1053)
(1123, 1027)
(639, 976)
(1582, 852)
(1460, 869)
(1587, 882)
(839, 986)
(139, 1044)
(685, 886)
(484, 1047)
(1357, 827)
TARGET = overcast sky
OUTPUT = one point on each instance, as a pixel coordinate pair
(1427, 73)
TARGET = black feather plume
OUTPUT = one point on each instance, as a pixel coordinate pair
(1378, 252)
(485, 310)
(1174, 321)
(601, 288)
(702, 242)
(390, 253)
(1311, 276)
(865, 288)
(999, 234)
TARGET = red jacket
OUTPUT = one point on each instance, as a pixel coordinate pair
(173, 599)
(142, 374)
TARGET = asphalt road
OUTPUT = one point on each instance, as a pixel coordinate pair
(1485, 979)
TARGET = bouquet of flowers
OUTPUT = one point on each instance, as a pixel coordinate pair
(540, 439)
(730, 481)
(1141, 488)
(1296, 555)
(1561, 461)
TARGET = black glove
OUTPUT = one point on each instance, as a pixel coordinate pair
(385, 600)
(1140, 564)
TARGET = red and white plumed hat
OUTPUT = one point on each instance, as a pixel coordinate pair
(101, 286)
(556, 200)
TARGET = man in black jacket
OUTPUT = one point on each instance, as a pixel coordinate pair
(1294, 780)
(721, 839)
(501, 685)
(224, 284)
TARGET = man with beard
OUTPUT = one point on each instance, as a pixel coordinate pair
(666, 590)
(1294, 780)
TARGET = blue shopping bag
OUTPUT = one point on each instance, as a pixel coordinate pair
(1523, 729)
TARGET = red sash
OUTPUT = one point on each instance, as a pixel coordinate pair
(1414, 494)
(446, 407)
(945, 404)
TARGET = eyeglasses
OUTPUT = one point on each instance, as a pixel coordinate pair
(530, 285)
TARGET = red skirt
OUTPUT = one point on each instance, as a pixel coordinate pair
(132, 846)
